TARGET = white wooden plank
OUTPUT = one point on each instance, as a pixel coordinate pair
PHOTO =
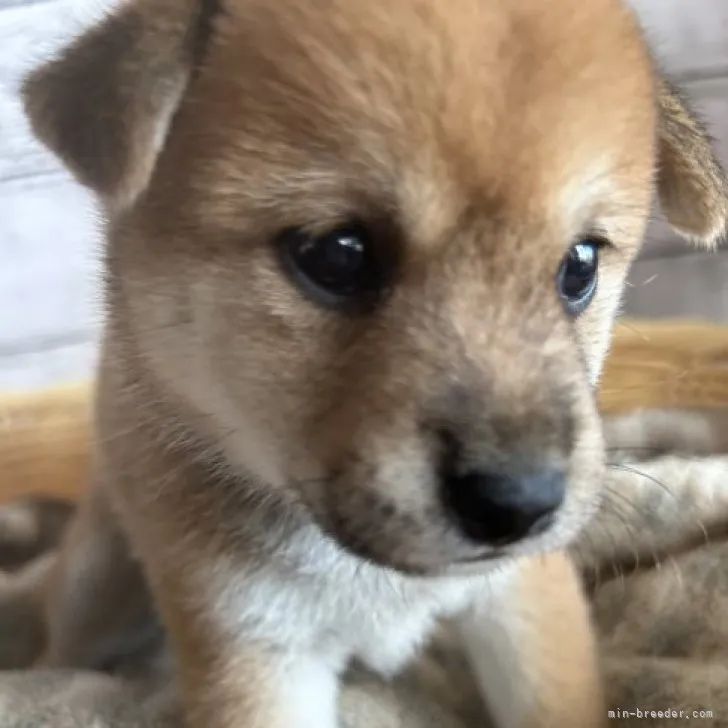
(689, 286)
(48, 261)
(30, 33)
(36, 369)
(689, 36)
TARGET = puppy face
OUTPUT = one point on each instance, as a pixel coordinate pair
(378, 246)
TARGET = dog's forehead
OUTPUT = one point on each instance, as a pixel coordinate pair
(424, 98)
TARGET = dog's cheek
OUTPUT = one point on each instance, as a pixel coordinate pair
(587, 465)
(248, 354)
(587, 462)
(594, 327)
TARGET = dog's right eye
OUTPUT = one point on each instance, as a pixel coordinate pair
(336, 268)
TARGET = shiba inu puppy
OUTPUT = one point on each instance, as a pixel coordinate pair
(362, 263)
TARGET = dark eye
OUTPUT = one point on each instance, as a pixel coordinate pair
(335, 268)
(577, 279)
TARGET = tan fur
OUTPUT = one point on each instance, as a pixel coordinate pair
(549, 625)
(562, 635)
(692, 185)
(237, 422)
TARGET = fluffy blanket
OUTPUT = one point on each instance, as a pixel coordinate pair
(662, 612)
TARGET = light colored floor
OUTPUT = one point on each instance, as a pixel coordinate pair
(49, 309)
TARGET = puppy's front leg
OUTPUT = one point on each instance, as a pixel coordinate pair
(253, 686)
(230, 679)
(531, 646)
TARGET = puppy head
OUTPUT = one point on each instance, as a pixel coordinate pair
(379, 245)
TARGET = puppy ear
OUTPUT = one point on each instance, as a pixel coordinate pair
(105, 104)
(692, 186)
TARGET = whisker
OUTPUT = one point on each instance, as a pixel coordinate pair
(651, 478)
(631, 538)
(666, 489)
(614, 566)
(645, 337)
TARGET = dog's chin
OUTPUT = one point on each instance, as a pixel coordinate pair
(374, 556)
(466, 561)
(412, 564)
(412, 559)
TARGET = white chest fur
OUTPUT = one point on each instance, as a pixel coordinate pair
(314, 598)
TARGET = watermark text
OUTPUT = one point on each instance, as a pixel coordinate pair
(649, 714)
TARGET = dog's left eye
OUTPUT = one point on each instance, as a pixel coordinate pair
(334, 267)
(577, 279)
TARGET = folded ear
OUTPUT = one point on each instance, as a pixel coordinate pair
(692, 186)
(105, 104)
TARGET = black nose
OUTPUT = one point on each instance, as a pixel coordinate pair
(498, 508)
